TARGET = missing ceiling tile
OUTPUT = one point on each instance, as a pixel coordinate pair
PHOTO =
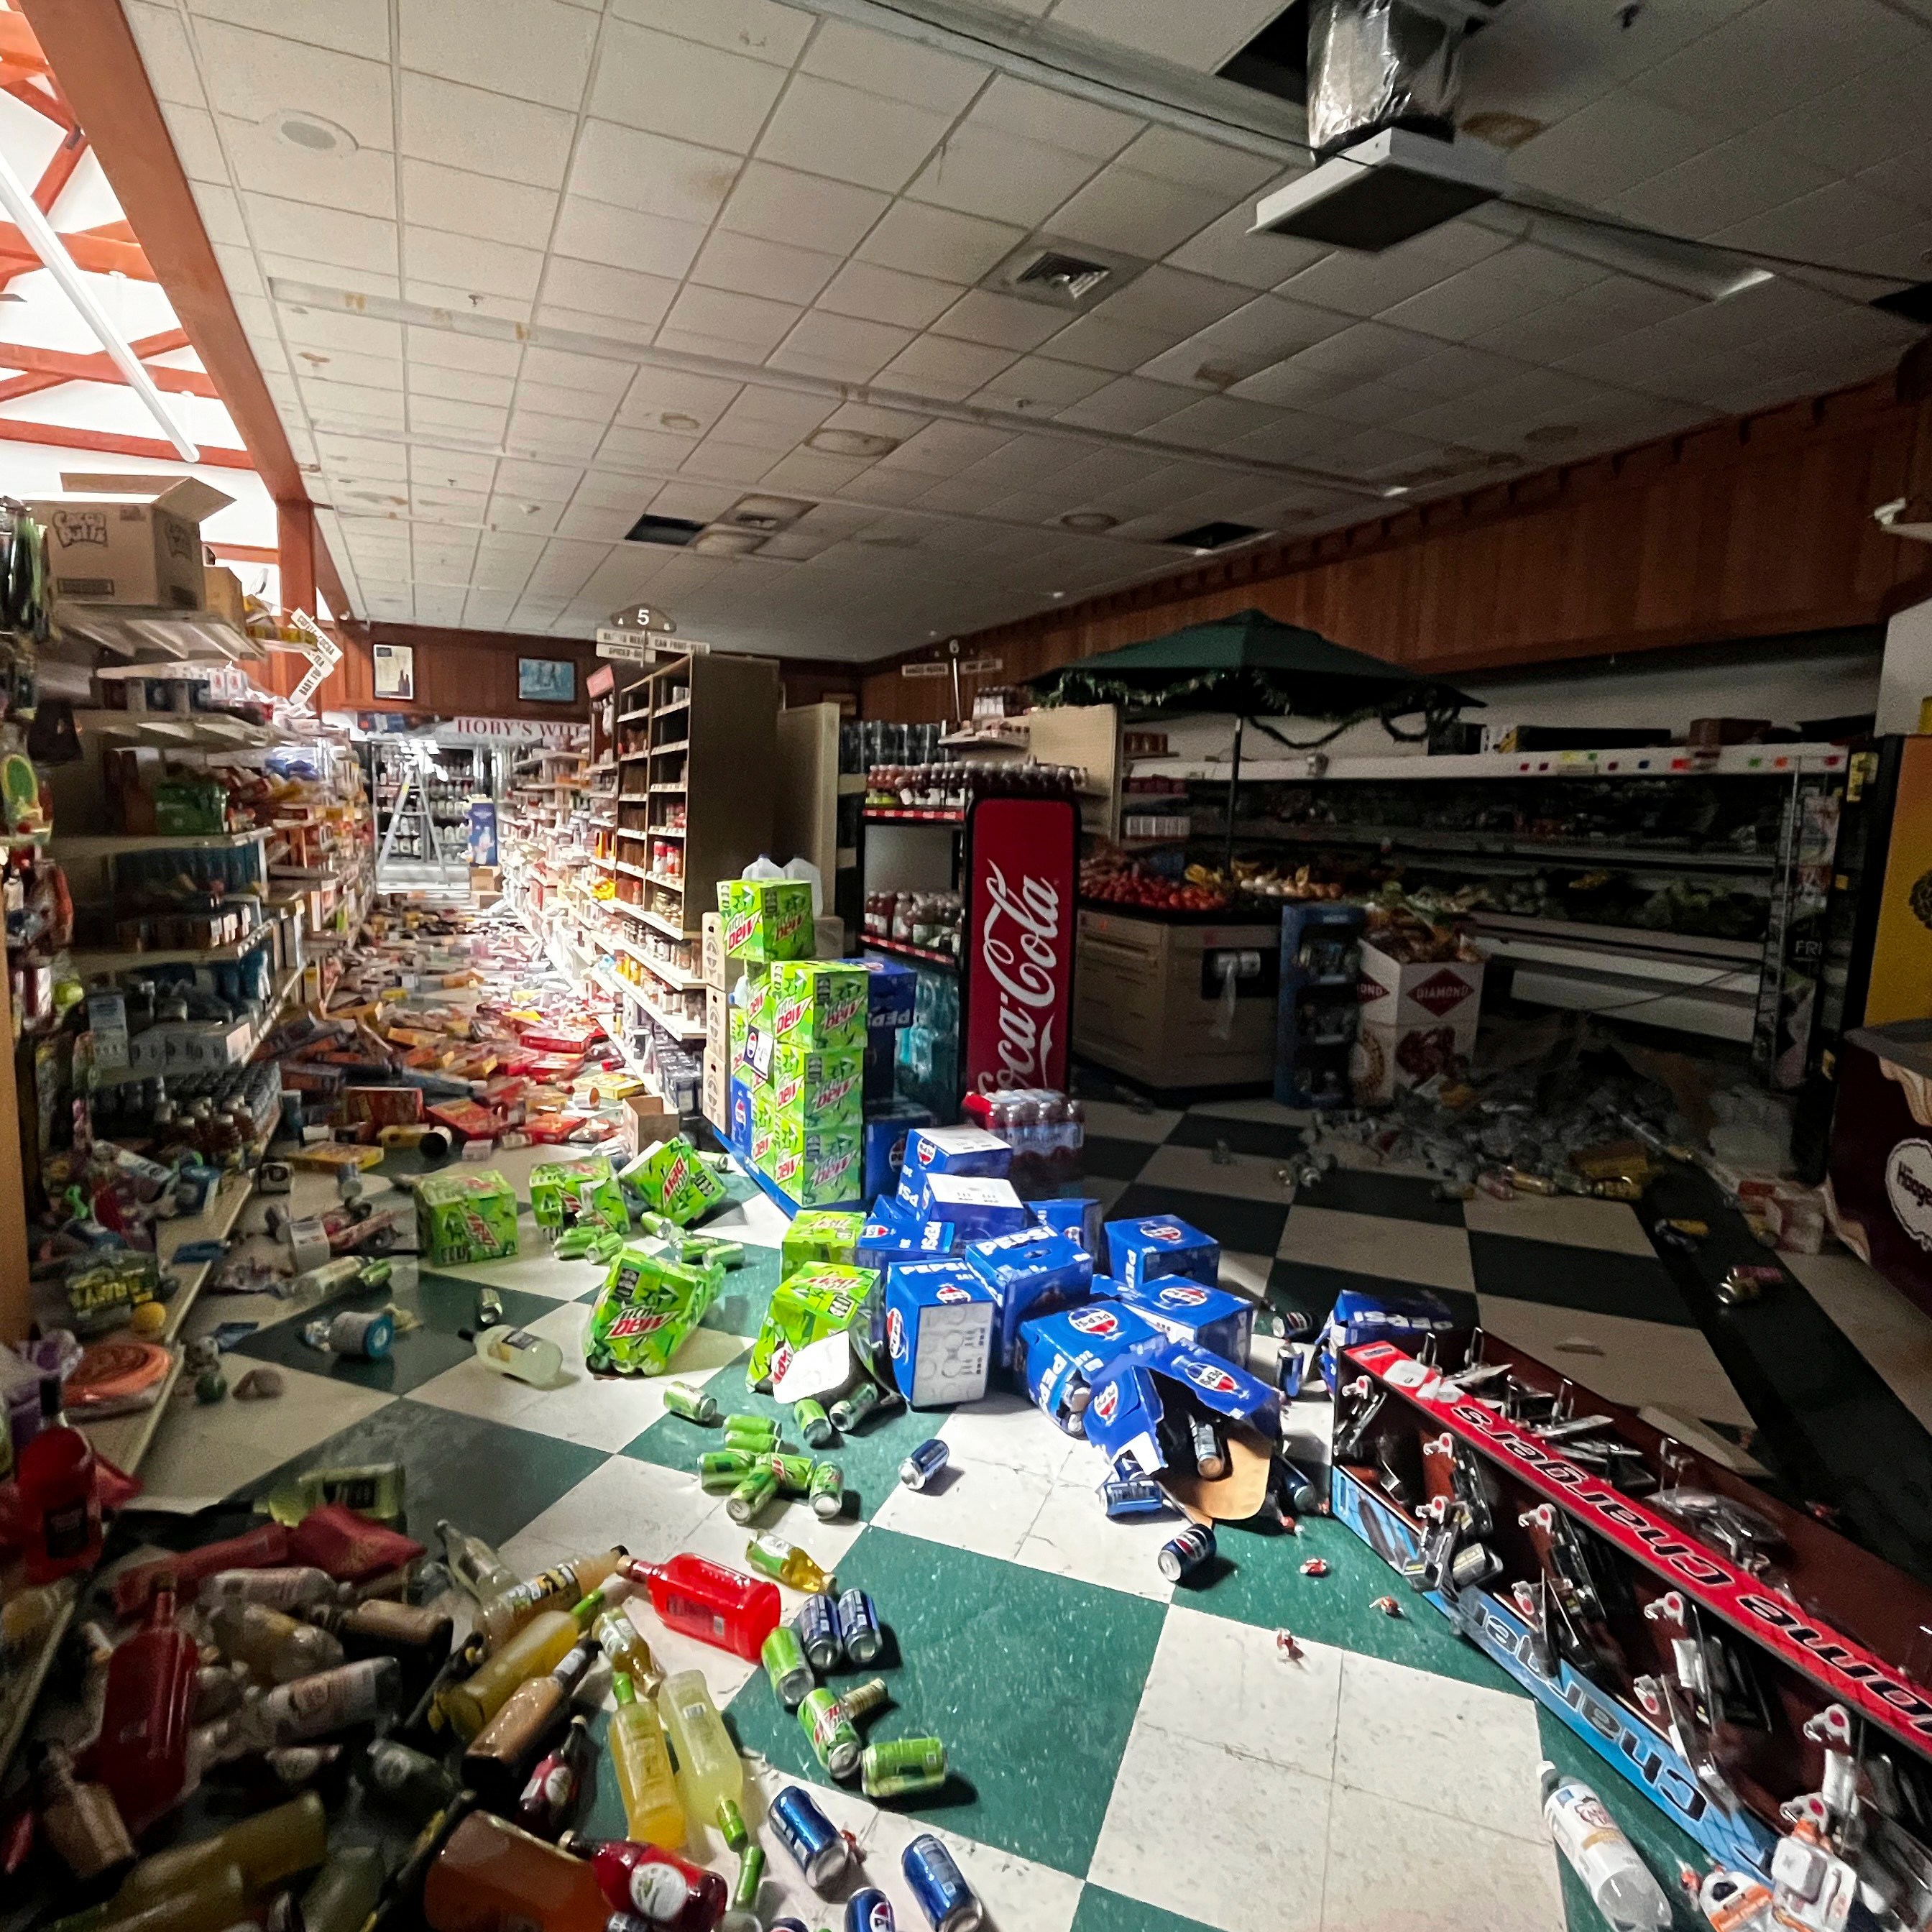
(675, 532)
(1205, 537)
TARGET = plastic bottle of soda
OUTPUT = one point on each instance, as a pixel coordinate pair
(1607, 1862)
(706, 1600)
(645, 1780)
(709, 1770)
(142, 1754)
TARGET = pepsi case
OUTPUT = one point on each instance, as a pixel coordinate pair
(939, 1885)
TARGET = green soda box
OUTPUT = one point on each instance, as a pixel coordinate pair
(817, 1089)
(819, 1167)
(819, 1236)
(466, 1217)
(820, 1004)
(766, 919)
(585, 1188)
(809, 1303)
(677, 1184)
(646, 1308)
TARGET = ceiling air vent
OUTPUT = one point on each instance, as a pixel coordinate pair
(1205, 537)
(1062, 274)
(674, 531)
(1065, 278)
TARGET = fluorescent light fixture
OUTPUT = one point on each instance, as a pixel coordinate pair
(59, 264)
(1384, 189)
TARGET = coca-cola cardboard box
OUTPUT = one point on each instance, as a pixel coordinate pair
(1436, 993)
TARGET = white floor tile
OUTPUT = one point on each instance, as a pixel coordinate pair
(1247, 1274)
(987, 1508)
(826, 1543)
(1224, 1685)
(1007, 1429)
(759, 1221)
(535, 1271)
(651, 1511)
(1247, 1177)
(1611, 1226)
(1439, 1745)
(1230, 1841)
(1106, 1189)
(1893, 1333)
(1396, 1868)
(1073, 1536)
(1417, 1251)
(1114, 1121)
(1269, 1113)
(201, 1454)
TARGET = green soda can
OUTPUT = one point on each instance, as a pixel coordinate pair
(722, 1470)
(785, 1664)
(827, 1492)
(847, 1415)
(903, 1767)
(835, 1741)
(751, 1496)
(755, 1428)
(794, 1473)
(751, 1876)
(813, 1423)
(863, 1700)
(693, 1405)
(731, 1822)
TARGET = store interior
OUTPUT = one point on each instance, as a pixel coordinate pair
(969, 966)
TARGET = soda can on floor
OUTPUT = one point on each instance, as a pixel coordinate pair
(863, 1700)
(731, 1823)
(827, 1490)
(693, 1405)
(860, 1635)
(902, 1768)
(788, 1925)
(787, 1665)
(835, 1737)
(817, 1624)
(751, 1876)
(870, 1910)
(808, 1838)
(848, 1413)
(811, 1422)
(721, 1471)
(940, 1886)
(751, 1496)
(1185, 1555)
(924, 1463)
(1132, 1496)
(793, 1473)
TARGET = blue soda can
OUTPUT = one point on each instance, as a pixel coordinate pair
(940, 1886)
(859, 1631)
(817, 1624)
(1187, 1552)
(870, 1910)
(808, 1838)
(1132, 1496)
(787, 1925)
(924, 1463)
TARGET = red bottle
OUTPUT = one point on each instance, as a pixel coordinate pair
(662, 1889)
(705, 1601)
(63, 1508)
(141, 1754)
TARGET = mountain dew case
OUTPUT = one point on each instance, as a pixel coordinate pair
(809, 1303)
(820, 1004)
(818, 1086)
(819, 1167)
(643, 1312)
(586, 1188)
(767, 919)
(821, 1235)
(675, 1183)
(466, 1217)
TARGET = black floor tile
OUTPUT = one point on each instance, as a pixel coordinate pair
(1396, 1197)
(1268, 1139)
(1116, 1160)
(1308, 1289)
(1247, 1227)
(1591, 1280)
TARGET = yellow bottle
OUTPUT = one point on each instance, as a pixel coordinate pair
(709, 1767)
(771, 1555)
(645, 1781)
(537, 1648)
(269, 1847)
(623, 1643)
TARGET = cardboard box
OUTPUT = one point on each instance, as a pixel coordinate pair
(714, 967)
(894, 991)
(882, 1242)
(828, 936)
(815, 1004)
(941, 1322)
(129, 546)
(675, 1183)
(886, 1127)
(1160, 1244)
(808, 1304)
(647, 1308)
(819, 1167)
(820, 1237)
(466, 1217)
(765, 919)
(717, 1090)
(223, 596)
(1031, 1272)
(1078, 1216)
(980, 1209)
(644, 1120)
(816, 1089)
(1062, 1354)
(1186, 1310)
(581, 1190)
(1386, 1057)
(955, 1150)
(1391, 994)
(738, 1098)
(717, 1022)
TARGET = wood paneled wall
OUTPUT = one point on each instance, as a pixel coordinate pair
(459, 673)
(1757, 526)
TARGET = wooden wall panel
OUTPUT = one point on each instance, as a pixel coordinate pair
(1759, 527)
(459, 673)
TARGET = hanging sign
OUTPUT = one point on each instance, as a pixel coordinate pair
(1019, 949)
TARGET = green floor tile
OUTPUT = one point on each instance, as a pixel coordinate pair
(1101, 1910)
(1031, 1680)
(741, 1303)
(490, 1478)
(1265, 1587)
(870, 1458)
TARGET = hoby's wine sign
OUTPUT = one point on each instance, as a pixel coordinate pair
(1019, 944)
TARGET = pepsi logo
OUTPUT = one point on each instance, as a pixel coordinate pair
(951, 1291)
(895, 1333)
(1107, 1403)
(1189, 1296)
(1162, 1230)
(928, 1153)
(1094, 1321)
(1206, 1375)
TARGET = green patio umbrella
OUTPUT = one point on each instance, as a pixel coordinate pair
(1257, 668)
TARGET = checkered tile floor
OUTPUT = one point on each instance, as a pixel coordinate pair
(1130, 1756)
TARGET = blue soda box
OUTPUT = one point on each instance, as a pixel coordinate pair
(1401, 1316)
(1032, 1272)
(955, 1150)
(1079, 1218)
(893, 991)
(941, 1321)
(979, 1207)
(1138, 1251)
(1185, 1311)
(1065, 1352)
(740, 1115)
(885, 1242)
(882, 1141)
(1132, 1393)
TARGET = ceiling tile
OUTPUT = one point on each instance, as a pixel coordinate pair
(1019, 107)
(363, 181)
(442, 348)
(1832, 224)
(806, 472)
(630, 167)
(594, 375)
(556, 399)
(531, 433)
(759, 29)
(684, 405)
(337, 365)
(852, 135)
(626, 238)
(729, 462)
(752, 267)
(249, 72)
(197, 142)
(802, 210)
(1136, 213)
(460, 385)
(328, 237)
(887, 64)
(535, 50)
(1096, 342)
(1202, 34)
(548, 482)
(489, 133)
(1478, 299)
(985, 171)
(1189, 161)
(938, 241)
(1127, 403)
(221, 216)
(1611, 144)
(166, 53)
(1225, 249)
(945, 449)
(842, 346)
(467, 261)
(463, 203)
(680, 88)
(771, 419)
(598, 290)
(1258, 335)
(1359, 284)
(1608, 309)
(445, 295)
(351, 27)
(885, 295)
(1172, 301)
(1732, 182)
(1906, 177)
(950, 370)
(472, 418)
(749, 322)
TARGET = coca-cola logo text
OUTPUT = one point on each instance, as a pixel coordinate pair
(1026, 966)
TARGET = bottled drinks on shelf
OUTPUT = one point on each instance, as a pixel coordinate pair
(954, 787)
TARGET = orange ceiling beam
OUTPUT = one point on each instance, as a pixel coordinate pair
(47, 378)
(105, 443)
(69, 367)
(20, 46)
(96, 252)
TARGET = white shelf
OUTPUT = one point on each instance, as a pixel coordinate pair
(92, 845)
(117, 960)
(272, 1013)
(168, 728)
(1647, 762)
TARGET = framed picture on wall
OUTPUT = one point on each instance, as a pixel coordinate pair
(547, 680)
(395, 670)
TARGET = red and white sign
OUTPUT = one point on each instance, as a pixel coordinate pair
(1393, 994)
(1850, 1672)
(1019, 944)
